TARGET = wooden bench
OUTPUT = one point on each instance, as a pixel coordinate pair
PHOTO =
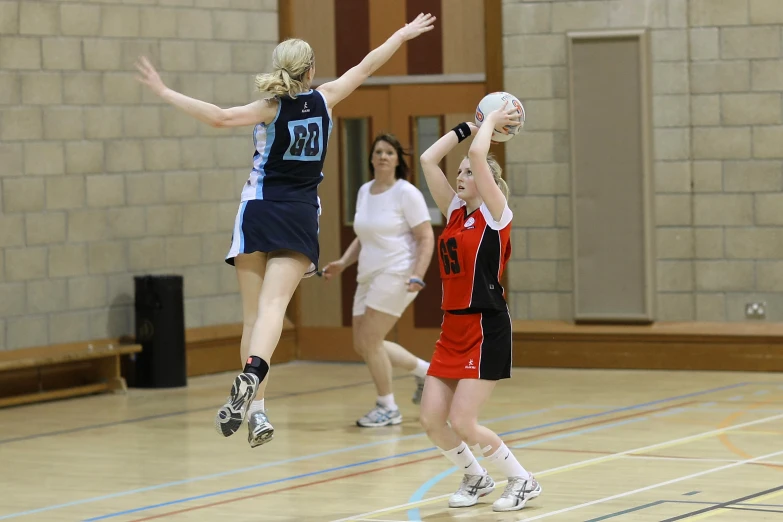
(732, 346)
(44, 373)
(215, 349)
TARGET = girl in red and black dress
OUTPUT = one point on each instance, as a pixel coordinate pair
(474, 349)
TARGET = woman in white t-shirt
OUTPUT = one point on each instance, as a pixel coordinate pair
(393, 246)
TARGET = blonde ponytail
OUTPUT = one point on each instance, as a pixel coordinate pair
(503, 186)
(497, 174)
(292, 60)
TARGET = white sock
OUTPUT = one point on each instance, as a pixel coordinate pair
(507, 463)
(256, 406)
(464, 459)
(387, 401)
(421, 368)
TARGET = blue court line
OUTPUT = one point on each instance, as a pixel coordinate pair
(415, 513)
(329, 470)
(176, 413)
(579, 432)
(669, 413)
(251, 468)
(305, 475)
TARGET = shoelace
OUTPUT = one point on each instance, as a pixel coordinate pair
(378, 414)
(467, 487)
(516, 488)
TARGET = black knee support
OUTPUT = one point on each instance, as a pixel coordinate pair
(256, 366)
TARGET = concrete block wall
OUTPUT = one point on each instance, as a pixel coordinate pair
(99, 181)
(718, 128)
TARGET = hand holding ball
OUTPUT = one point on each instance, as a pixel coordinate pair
(505, 111)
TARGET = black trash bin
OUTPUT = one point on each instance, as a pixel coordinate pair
(160, 330)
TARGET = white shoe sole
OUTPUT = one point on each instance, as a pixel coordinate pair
(481, 493)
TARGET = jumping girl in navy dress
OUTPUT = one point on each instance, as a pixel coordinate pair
(474, 348)
(275, 239)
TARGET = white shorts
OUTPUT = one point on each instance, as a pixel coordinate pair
(387, 293)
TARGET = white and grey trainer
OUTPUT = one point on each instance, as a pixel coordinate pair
(472, 488)
(518, 491)
(259, 429)
(380, 416)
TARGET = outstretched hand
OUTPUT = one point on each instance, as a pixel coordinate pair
(422, 24)
(332, 269)
(149, 76)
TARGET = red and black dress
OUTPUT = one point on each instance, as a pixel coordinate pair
(475, 339)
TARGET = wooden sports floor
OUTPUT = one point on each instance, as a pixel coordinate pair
(605, 445)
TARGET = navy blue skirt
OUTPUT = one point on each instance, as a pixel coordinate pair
(266, 226)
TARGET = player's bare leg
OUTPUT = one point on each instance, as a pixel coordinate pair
(250, 275)
(436, 405)
(469, 397)
(369, 331)
(283, 272)
(402, 358)
(250, 270)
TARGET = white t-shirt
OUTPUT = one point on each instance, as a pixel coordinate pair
(383, 224)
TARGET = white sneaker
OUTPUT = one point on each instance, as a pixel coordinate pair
(259, 429)
(379, 417)
(473, 487)
(518, 491)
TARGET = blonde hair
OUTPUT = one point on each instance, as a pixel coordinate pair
(292, 59)
(497, 174)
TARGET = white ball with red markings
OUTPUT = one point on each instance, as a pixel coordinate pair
(494, 101)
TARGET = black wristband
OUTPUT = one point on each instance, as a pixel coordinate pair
(462, 131)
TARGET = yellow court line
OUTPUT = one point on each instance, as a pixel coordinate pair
(575, 465)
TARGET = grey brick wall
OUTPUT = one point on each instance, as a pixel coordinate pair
(718, 129)
(98, 180)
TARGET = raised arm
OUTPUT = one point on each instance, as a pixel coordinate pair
(488, 189)
(250, 114)
(442, 192)
(339, 89)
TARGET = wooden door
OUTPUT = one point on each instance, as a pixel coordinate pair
(357, 120)
(420, 115)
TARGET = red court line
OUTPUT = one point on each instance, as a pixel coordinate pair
(416, 461)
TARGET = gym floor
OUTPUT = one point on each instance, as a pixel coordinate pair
(605, 445)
